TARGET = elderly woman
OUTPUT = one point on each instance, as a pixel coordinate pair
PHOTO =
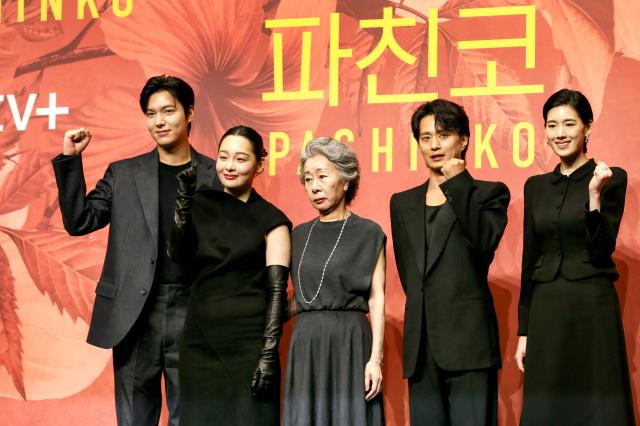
(571, 346)
(334, 369)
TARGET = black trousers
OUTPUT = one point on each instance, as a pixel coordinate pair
(148, 352)
(439, 397)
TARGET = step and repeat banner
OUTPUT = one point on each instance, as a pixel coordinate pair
(293, 70)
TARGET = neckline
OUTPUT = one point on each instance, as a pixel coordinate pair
(577, 174)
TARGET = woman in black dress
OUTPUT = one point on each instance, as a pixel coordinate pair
(334, 369)
(240, 246)
(571, 346)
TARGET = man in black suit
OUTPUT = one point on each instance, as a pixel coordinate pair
(445, 232)
(141, 297)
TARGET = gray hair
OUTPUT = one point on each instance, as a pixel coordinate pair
(341, 156)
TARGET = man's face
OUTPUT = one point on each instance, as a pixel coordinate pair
(167, 120)
(439, 146)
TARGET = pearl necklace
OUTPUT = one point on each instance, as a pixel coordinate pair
(325, 264)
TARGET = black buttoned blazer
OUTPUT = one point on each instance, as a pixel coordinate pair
(561, 235)
(127, 199)
(450, 288)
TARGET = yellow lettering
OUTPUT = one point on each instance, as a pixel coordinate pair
(413, 154)
(56, 9)
(274, 153)
(122, 13)
(93, 10)
(344, 133)
(308, 135)
(20, 11)
(483, 146)
(528, 127)
(386, 150)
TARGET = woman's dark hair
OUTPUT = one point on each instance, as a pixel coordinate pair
(251, 135)
(178, 88)
(448, 116)
(575, 100)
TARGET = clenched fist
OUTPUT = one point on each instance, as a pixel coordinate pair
(453, 167)
(75, 141)
(601, 175)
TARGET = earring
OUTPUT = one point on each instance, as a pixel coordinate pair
(346, 187)
(586, 139)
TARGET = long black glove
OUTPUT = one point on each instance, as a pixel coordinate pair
(267, 374)
(182, 238)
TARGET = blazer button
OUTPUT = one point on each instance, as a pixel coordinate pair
(143, 291)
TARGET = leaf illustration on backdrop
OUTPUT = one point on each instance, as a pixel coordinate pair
(412, 78)
(10, 135)
(626, 15)
(230, 66)
(469, 69)
(123, 137)
(8, 56)
(26, 181)
(357, 9)
(586, 46)
(31, 28)
(63, 267)
(353, 80)
(10, 336)
(35, 30)
(450, 10)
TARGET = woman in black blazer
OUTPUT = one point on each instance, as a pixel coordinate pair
(571, 345)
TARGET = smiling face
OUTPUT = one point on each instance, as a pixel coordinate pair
(324, 185)
(167, 121)
(438, 146)
(237, 164)
(566, 132)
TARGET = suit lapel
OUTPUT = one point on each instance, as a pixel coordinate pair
(147, 184)
(414, 219)
(442, 227)
(206, 172)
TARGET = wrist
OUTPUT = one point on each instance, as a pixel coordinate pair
(379, 362)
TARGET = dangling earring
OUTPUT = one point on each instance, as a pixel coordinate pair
(586, 139)
(346, 187)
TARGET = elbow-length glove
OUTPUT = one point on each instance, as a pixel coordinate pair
(267, 374)
(182, 239)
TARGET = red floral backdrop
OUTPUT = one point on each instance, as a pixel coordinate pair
(96, 62)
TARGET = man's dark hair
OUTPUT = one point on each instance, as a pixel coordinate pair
(178, 88)
(448, 116)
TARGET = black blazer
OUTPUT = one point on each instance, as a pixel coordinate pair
(127, 198)
(562, 236)
(452, 288)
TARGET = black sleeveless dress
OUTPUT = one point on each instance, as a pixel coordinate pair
(225, 319)
(331, 341)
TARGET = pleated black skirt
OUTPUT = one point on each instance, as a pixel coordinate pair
(324, 382)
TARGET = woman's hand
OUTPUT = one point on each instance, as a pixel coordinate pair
(601, 176)
(372, 379)
(521, 352)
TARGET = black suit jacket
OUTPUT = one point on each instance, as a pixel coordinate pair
(127, 198)
(451, 289)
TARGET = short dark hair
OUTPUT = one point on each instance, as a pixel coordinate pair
(178, 88)
(575, 100)
(251, 135)
(448, 116)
